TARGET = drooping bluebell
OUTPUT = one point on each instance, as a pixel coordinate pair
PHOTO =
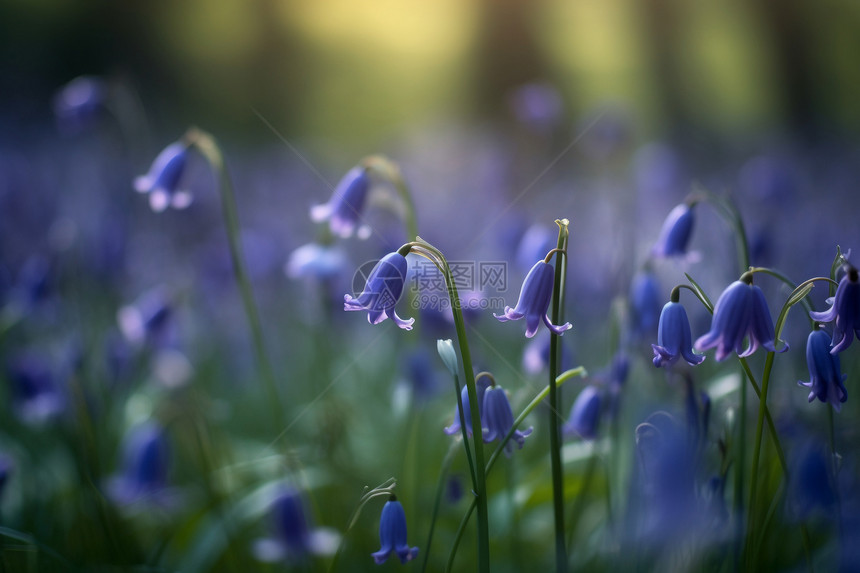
(482, 382)
(344, 210)
(292, 538)
(844, 311)
(162, 181)
(499, 419)
(535, 296)
(382, 290)
(826, 380)
(674, 339)
(740, 312)
(392, 534)
(676, 232)
(145, 465)
(584, 415)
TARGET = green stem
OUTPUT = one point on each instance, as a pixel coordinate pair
(765, 382)
(562, 378)
(554, 398)
(480, 490)
(207, 145)
(440, 486)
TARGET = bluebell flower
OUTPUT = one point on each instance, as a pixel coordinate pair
(145, 465)
(292, 537)
(644, 304)
(500, 419)
(315, 261)
(538, 106)
(534, 300)
(812, 482)
(482, 382)
(148, 319)
(584, 415)
(675, 233)
(674, 339)
(382, 291)
(79, 101)
(740, 311)
(844, 311)
(35, 393)
(392, 534)
(162, 181)
(344, 210)
(826, 381)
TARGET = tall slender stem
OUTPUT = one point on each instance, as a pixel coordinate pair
(206, 144)
(480, 490)
(554, 399)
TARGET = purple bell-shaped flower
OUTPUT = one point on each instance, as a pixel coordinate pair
(675, 234)
(292, 538)
(145, 464)
(392, 534)
(674, 339)
(482, 382)
(500, 419)
(534, 300)
(344, 210)
(584, 415)
(382, 291)
(162, 181)
(826, 381)
(740, 311)
(844, 311)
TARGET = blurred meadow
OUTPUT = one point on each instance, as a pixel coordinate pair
(181, 389)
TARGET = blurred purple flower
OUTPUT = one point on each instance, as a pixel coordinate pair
(382, 291)
(536, 355)
(811, 484)
(645, 303)
(740, 311)
(675, 233)
(534, 300)
(538, 106)
(292, 538)
(844, 311)
(584, 415)
(145, 465)
(162, 181)
(147, 320)
(344, 210)
(500, 419)
(36, 396)
(79, 101)
(482, 382)
(534, 244)
(392, 534)
(674, 339)
(315, 261)
(826, 380)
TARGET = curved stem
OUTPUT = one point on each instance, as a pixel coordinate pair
(480, 490)
(554, 398)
